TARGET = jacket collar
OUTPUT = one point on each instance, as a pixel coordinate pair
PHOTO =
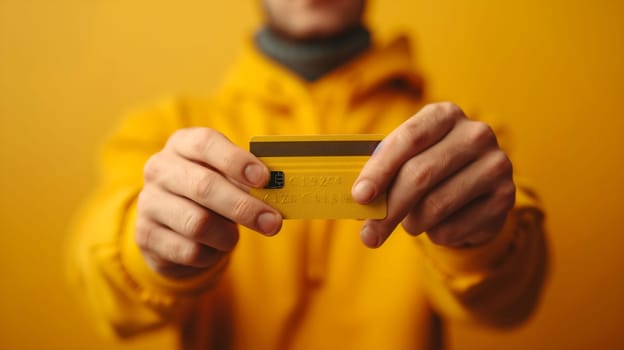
(379, 67)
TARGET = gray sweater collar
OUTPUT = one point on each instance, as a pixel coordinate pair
(313, 59)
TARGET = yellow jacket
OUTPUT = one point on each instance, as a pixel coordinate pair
(314, 285)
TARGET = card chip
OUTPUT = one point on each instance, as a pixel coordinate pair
(276, 181)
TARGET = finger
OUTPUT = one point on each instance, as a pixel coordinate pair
(489, 173)
(170, 246)
(475, 224)
(210, 147)
(188, 219)
(415, 135)
(422, 173)
(170, 269)
(211, 190)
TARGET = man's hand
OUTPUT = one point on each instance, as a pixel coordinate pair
(195, 192)
(444, 175)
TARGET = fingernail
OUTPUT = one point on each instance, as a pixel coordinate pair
(363, 191)
(254, 174)
(369, 237)
(268, 223)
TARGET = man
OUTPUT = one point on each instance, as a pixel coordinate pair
(173, 237)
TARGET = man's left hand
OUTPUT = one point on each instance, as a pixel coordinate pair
(444, 175)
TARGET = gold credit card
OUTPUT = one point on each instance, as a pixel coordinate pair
(312, 175)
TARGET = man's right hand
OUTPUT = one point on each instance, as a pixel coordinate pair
(195, 194)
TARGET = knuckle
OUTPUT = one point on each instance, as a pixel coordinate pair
(437, 206)
(187, 254)
(242, 209)
(431, 108)
(177, 136)
(481, 134)
(205, 185)
(151, 169)
(410, 224)
(197, 140)
(205, 139)
(143, 200)
(421, 174)
(446, 109)
(507, 195)
(451, 109)
(209, 133)
(412, 136)
(423, 178)
(143, 234)
(229, 163)
(507, 190)
(501, 165)
(192, 254)
(196, 223)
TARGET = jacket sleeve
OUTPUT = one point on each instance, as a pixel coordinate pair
(105, 266)
(497, 284)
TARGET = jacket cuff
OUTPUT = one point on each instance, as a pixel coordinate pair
(153, 287)
(463, 268)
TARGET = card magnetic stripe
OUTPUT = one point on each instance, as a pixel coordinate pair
(313, 148)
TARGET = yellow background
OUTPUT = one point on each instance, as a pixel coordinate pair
(68, 69)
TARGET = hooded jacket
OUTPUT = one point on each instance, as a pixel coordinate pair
(314, 285)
